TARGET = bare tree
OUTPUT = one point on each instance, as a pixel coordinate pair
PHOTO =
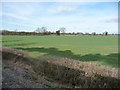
(62, 30)
(41, 30)
(94, 33)
(105, 33)
(37, 30)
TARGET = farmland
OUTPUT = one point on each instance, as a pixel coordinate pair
(102, 50)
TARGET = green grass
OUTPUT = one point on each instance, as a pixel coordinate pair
(98, 49)
(34, 77)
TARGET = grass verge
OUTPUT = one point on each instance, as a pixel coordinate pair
(68, 72)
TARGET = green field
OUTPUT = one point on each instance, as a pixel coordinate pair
(98, 49)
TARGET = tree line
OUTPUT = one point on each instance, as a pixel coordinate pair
(38, 31)
(43, 31)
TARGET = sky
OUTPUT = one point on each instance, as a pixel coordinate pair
(74, 16)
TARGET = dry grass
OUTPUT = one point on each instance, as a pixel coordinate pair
(76, 73)
(66, 71)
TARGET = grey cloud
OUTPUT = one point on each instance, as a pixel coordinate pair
(113, 20)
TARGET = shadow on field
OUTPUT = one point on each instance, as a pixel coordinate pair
(111, 59)
(11, 40)
(23, 44)
(19, 44)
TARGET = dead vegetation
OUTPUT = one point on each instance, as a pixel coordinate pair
(67, 72)
(77, 74)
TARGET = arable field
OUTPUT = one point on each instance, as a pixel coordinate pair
(98, 49)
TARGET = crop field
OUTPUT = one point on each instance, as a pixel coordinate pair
(102, 50)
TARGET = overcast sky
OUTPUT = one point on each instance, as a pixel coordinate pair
(75, 16)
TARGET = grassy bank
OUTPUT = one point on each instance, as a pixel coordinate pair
(66, 72)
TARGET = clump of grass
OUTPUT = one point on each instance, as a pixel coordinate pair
(34, 77)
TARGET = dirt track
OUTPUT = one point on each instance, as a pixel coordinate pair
(16, 77)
